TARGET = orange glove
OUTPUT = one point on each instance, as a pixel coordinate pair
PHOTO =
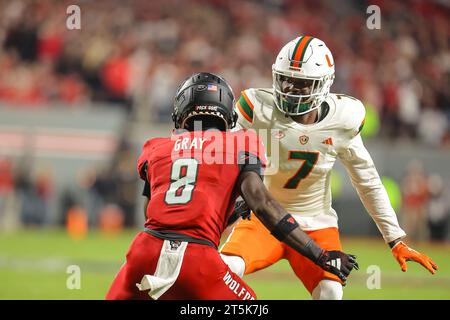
(404, 253)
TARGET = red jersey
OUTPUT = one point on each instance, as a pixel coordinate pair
(192, 179)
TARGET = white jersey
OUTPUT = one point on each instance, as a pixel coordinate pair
(300, 159)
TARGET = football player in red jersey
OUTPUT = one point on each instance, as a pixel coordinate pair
(192, 180)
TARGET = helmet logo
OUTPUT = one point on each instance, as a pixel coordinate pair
(200, 87)
(303, 139)
(328, 61)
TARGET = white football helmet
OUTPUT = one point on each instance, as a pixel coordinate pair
(303, 73)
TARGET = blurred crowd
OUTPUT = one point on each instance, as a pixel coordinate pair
(104, 196)
(426, 204)
(135, 52)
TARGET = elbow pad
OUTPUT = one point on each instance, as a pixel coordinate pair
(285, 226)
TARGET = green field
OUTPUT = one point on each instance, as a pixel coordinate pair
(33, 265)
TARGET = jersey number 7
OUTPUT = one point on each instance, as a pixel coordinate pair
(309, 160)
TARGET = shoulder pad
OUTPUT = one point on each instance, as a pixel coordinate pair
(351, 112)
(263, 95)
(250, 103)
(152, 143)
(145, 156)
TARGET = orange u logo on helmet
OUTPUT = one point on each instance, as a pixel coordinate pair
(328, 61)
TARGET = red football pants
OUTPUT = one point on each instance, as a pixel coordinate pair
(203, 274)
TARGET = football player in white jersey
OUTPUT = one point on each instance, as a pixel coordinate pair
(313, 128)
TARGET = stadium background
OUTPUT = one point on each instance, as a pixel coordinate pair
(77, 105)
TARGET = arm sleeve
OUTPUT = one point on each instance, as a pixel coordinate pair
(251, 153)
(146, 190)
(367, 182)
(250, 162)
(143, 173)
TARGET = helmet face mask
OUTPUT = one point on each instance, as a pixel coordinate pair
(290, 93)
(302, 76)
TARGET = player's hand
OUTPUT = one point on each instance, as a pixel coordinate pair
(404, 253)
(338, 263)
(242, 209)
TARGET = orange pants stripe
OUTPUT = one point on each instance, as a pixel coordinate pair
(253, 242)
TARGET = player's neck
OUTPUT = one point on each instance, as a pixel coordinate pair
(307, 118)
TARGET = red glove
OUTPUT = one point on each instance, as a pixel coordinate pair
(404, 253)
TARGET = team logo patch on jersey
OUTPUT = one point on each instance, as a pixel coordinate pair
(279, 134)
(303, 139)
(328, 141)
(174, 244)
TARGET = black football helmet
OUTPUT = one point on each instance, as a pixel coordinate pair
(204, 97)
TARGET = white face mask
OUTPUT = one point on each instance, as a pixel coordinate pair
(297, 96)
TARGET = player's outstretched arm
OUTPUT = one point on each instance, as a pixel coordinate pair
(284, 227)
(366, 180)
(403, 253)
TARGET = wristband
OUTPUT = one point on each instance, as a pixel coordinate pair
(285, 226)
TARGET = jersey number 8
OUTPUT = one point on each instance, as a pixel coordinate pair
(183, 177)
